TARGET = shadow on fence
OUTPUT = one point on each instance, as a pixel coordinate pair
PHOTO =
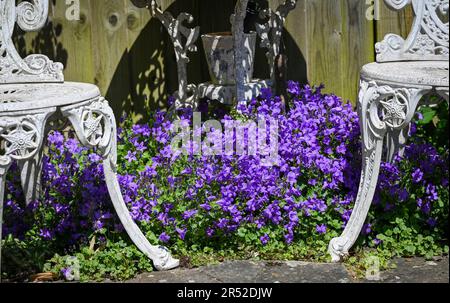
(146, 74)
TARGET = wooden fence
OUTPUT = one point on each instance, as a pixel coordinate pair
(128, 55)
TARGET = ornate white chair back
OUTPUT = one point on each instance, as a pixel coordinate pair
(30, 16)
(428, 39)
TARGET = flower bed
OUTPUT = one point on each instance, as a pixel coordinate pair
(231, 206)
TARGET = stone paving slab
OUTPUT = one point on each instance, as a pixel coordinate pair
(418, 270)
(413, 270)
(252, 272)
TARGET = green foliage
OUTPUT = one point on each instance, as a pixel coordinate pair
(403, 231)
(115, 261)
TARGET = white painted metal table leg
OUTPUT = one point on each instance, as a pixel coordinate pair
(380, 108)
(95, 126)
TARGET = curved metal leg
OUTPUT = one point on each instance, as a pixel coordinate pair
(95, 126)
(5, 163)
(443, 92)
(396, 140)
(380, 108)
(30, 175)
(21, 134)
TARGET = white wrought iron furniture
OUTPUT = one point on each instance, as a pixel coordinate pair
(184, 39)
(390, 91)
(33, 97)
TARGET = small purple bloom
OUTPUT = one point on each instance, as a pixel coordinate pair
(164, 237)
(181, 232)
(189, 214)
(45, 233)
(321, 229)
(417, 175)
(432, 222)
(131, 156)
(367, 229)
(264, 239)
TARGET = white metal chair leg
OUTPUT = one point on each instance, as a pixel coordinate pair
(5, 163)
(398, 106)
(396, 140)
(95, 126)
(30, 174)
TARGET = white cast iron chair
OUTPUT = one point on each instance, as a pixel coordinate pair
(390, 92)
(32, 95)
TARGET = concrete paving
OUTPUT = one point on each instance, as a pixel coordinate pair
(409, 270)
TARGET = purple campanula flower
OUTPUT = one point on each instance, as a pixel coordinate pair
(264, 239)
(171, 180)
(181, 232)
(209, 232)
(94, 158)
(289, 237)
(417, 175)
(131, 156)
(432, 193)
(293, 88)
(293, 216)
(432, 222)
(56, 138)
(367, 229)
(150, 171)
(292, 178)
(189, 214)
(321, 229)
(164, 237)
(45, 234)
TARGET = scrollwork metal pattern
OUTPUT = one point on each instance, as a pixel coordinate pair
(382, 108)
(429, 36)
(94, 124)
(34, 68)
(22, 136)
(237, 29)
(271, 32)
(183, 38)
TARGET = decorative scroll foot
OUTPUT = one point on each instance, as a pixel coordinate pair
(95, 126)
(381, 108)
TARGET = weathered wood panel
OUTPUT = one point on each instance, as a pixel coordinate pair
(130, 57)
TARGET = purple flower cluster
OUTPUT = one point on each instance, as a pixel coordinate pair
(206, 199)
(74, 203)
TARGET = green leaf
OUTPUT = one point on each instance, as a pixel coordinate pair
(428, 115)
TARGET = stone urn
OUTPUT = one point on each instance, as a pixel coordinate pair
(219, 51)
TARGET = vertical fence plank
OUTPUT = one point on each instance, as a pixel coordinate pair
(75, 39)
(396, 22)
(324, 29)
(109, 41)
(146, 48)
(296, 39)
(357, 46)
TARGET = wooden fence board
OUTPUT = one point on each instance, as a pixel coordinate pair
(129, 55)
